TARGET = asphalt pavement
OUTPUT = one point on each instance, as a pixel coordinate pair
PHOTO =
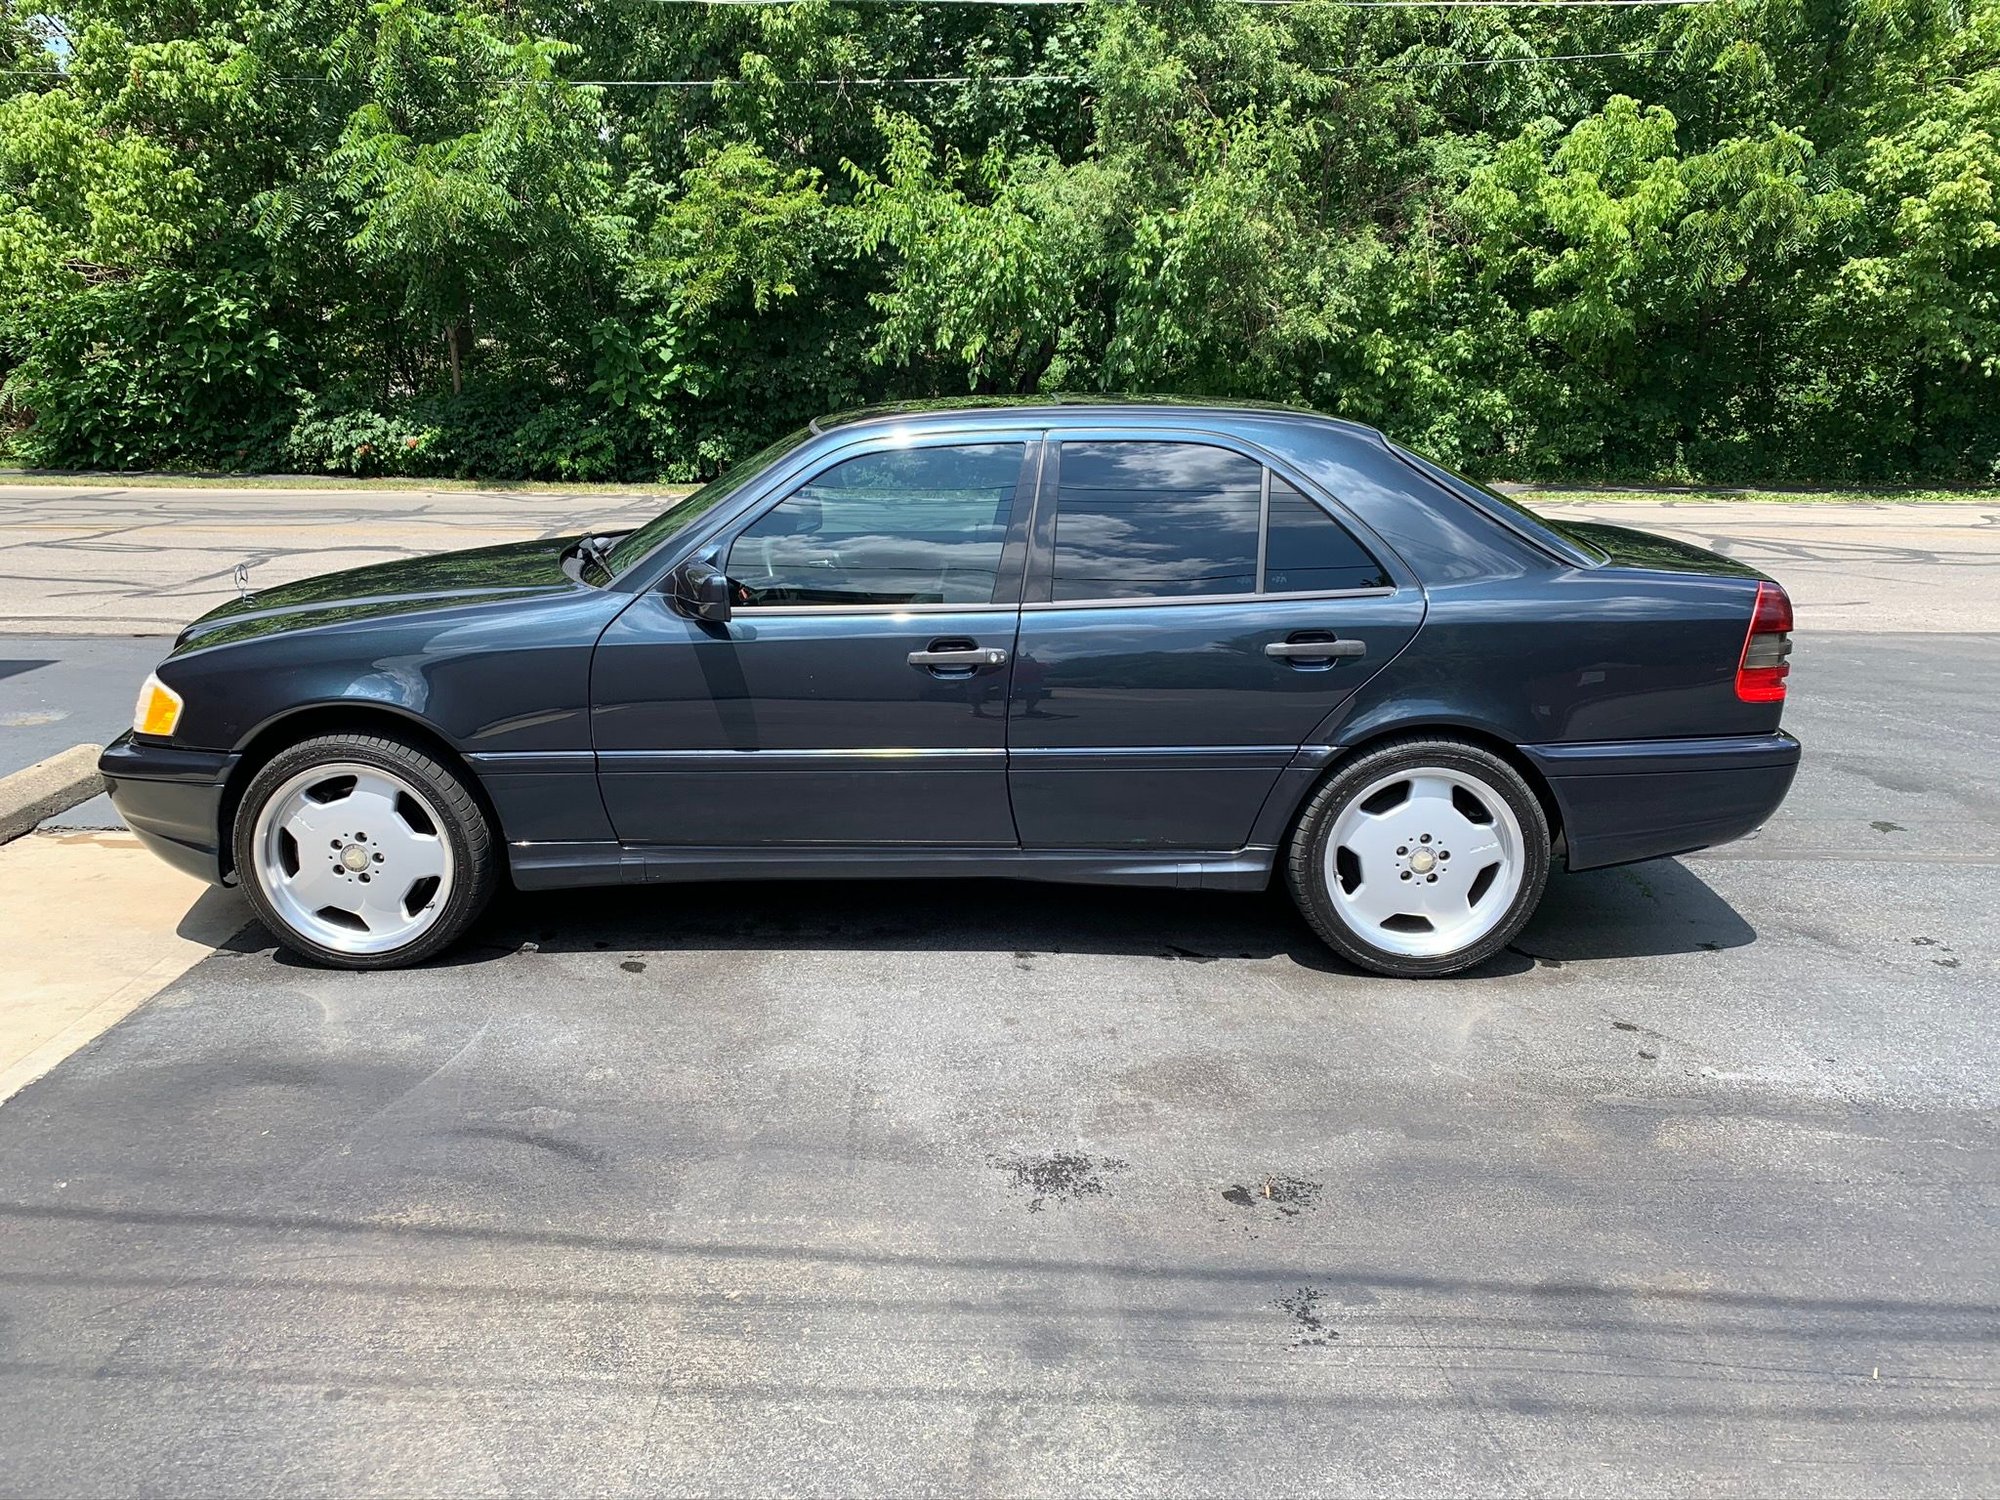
(840, 1188)
(58, 691)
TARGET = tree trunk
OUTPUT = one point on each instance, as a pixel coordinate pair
(451, 337)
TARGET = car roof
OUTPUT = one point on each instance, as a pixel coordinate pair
(1069, 408)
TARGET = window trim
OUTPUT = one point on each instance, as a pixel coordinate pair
(1006, 588)
(1038, 588)
(1162, 601)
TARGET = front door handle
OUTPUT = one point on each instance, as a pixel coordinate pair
(961, 657)
(1327, 650)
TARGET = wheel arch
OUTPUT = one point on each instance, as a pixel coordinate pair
(1433, 729)
(297, 725)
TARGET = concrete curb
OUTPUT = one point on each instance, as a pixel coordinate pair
(47, 788)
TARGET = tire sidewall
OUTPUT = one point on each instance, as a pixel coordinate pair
(1306, 867)
(471, 846)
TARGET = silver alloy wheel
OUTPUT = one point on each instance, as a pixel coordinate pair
(1425, 862)
(353, 858)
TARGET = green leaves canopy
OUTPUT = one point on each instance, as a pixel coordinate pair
(1748, 239)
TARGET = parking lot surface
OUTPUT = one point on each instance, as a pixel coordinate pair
(836, 1189)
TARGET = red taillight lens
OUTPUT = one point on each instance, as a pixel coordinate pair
(1761, 674)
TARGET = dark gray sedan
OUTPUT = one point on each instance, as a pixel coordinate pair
(1101, 642)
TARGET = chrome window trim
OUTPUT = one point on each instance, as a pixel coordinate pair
(1264, 527)
(1169, 601)
(768, 611)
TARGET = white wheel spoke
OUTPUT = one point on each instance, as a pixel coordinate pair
(381, 903)
(416, 858)
(310, 823)
(1374, 841)
(316, 886)
(1376, 900)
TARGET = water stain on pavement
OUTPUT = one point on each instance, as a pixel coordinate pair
(1288, 1196)
(1309, 1326)
(1946, 962)
(633, 966)
(1059, 1176)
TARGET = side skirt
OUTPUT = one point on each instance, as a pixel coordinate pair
(554, 866)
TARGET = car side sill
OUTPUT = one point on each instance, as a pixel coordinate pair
(552, 866)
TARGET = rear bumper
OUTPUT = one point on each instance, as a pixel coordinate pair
(1642, 799)
(172, 799)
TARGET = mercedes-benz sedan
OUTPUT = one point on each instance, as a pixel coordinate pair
(1120, 643)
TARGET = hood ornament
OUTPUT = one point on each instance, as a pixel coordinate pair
(242, 579)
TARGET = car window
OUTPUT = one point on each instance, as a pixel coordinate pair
(1138, 520)
(1308, 552)
(909, 526)
(678, 518)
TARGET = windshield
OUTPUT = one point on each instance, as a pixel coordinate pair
(676, 518)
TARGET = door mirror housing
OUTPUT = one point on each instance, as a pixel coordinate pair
(701, 591)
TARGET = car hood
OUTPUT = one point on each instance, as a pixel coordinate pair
(511, 570)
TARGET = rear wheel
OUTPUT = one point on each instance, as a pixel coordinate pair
(1420, 857)
(363, 852)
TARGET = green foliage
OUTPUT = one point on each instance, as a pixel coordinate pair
(1747, 240)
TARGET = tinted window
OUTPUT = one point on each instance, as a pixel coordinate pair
(1309, 552)
(703, 500)
(915, 526)
(1155, 520)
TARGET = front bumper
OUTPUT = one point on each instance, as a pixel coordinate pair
(172, 799)
(1644, 799)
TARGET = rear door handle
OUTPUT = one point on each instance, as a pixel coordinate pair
(965, 656)
(1315, 650)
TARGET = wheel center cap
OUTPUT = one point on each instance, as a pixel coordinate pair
(1423, 861)
(354, 858)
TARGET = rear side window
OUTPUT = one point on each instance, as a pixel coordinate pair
(1144, 520)
(1155, 520)
(1308, 552)
(913, 526)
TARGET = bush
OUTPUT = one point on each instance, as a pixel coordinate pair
(495, 433)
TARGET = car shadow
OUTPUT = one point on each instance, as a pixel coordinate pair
(1656, 909)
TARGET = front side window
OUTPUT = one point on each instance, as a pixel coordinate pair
(1141, 520)
(908, 526)
(670, 523)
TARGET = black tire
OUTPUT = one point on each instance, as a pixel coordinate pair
(462, 823)
(1306, 860)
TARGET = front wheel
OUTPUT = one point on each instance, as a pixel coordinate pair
(1421, 857)
(362, 852)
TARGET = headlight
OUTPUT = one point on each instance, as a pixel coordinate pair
(159, 709)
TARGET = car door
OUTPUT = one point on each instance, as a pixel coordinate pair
(857, 694)
(1191, 617)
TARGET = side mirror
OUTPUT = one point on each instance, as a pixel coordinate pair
(701, 590)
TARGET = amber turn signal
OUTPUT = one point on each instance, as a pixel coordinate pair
(159, 709)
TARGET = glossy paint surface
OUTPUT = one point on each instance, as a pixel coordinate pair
(802, 726)
(619, 739)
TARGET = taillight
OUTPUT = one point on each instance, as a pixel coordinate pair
(1760, 676)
